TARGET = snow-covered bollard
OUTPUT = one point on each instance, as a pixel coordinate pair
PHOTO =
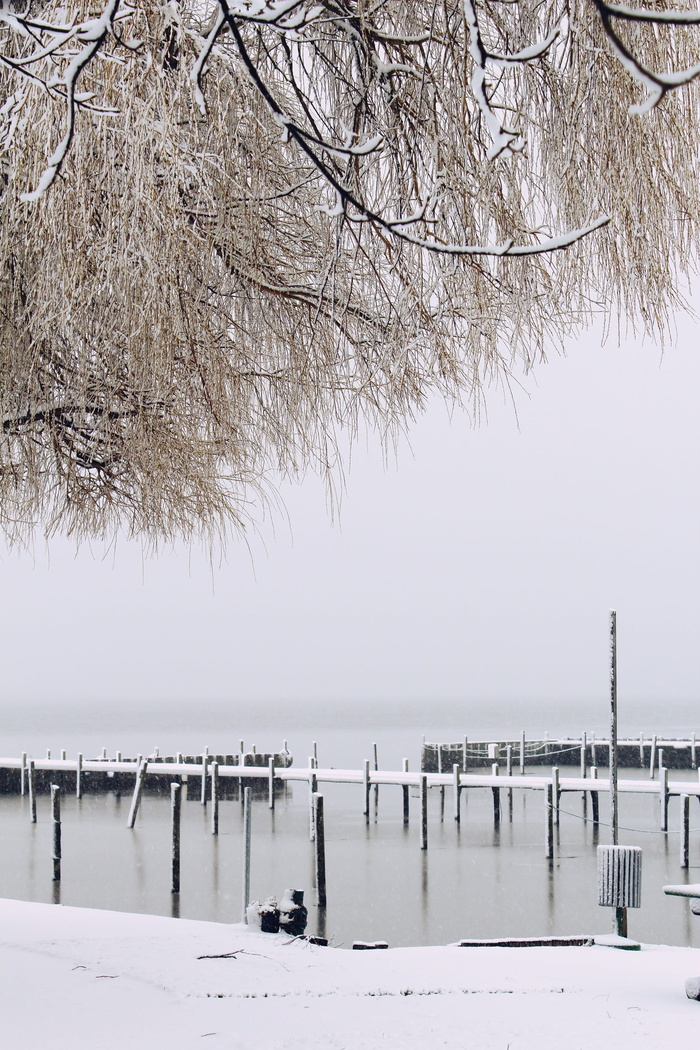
(293, 914)
(692, 988)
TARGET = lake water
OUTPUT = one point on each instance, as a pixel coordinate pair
(474, 881)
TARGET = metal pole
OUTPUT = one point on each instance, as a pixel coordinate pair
(247, 800)
(613, 728)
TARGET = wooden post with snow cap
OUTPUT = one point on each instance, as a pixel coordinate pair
(522, 753)
(685, 830)
(247, 814)
(320, 851)
(56, 821)
(365, 787)
(32, 791)
(496, 797)
(555, 793)
(376, 767)
(175, 815)
(423, 812)
(215, 792)
(509, 774)
(138, 791)
(313, 788)
(456, 790)
(79, 777)
(663, 796)
(205, 772)
(595, 797)
(465, 754)
(405, 792)
(271, 783)
(549, 822)
(583, 756)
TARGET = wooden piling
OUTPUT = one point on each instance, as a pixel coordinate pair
(641, 750)
(595, 798)
(23, 773)
(693, 759)
(663, 796)
(661, 759)
(138, 791)
(315, 750)
(465, 748)
(496, 797)
(594, 761)
(376, 786)
(215, 793)
(405, 792)
(583, 757)
(313, 789)
(456, 790)
(522, 753)
(247, 813)
(103, 756)
(79, 777)
(175, 814)
(556, 793)
(205, 772)
(424, 812)
(271, 783)
(32, 791)
(652, 758)
(685, 830)
(549, 822)
(56, 821)
(63, 754)
(365, 784)
(320, 851)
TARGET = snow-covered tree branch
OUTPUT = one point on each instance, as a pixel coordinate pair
(231, 228)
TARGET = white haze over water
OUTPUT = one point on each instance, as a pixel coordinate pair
(477, 575)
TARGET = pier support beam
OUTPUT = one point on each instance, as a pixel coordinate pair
(496, 797)
(365, 785)
(79, 778)
(32, 791)
(175, 814)
(56, 821)
(549, 822)
(663, 797)
(247, 814)
(423, 812)
(320, 851)
(406, 796)
(138, 791)
(215, 792)
(456, 790)
(685, 830)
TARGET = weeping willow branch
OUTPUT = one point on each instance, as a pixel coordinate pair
(230, 231)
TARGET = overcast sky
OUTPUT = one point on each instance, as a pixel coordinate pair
(483, 565)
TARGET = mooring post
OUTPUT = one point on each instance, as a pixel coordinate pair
(583, 756)
(271, 783)
(509, 774)
(32, 791)
(661, 759)
(247, 813)
(320, 851)
(693, 761)
(549, 822)
(215, 794)
(652, 758)
(465, 748)
(313, 788)
(685, 830)
(56, 820)
(376, 786)
(138, 791)
(456, 790)
(405, 791)
(522, 753)
(595, 798)
(496, 796)
(175, 814)
(641, 750)
(23, 773)
(118, 756)
(315, 751)
(48, 754)
(205, 772)
(423, 812)
(663, 796)
(365, 784)
(556, 792)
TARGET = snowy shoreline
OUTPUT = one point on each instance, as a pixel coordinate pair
(79, 978)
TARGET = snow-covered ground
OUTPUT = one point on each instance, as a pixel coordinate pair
(80, 979)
